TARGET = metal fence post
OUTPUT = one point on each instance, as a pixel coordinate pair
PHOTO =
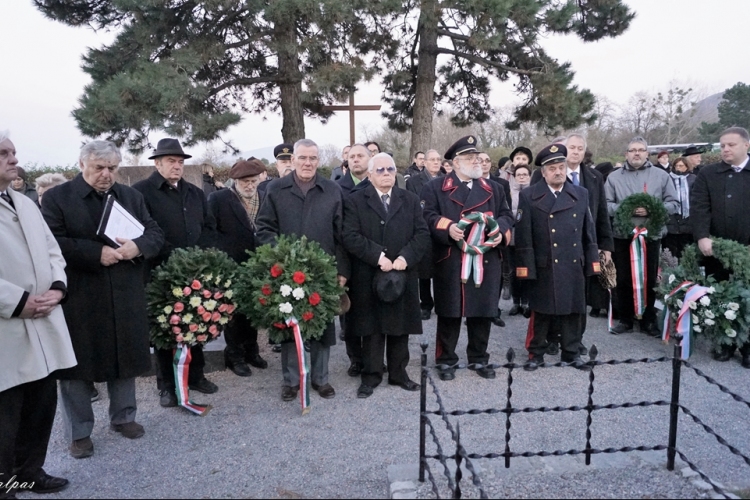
(593, 352)
(459, 458)
(674, 406)
(510, 356)
(422, 416)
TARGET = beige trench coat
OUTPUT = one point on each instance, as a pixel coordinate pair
(30, 261)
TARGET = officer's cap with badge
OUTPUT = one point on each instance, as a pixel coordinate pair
(554, 153)
(463, 146)
(693, 150)
(283, 152)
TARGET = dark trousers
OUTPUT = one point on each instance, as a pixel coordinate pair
(546, 326)
(448, 330)
(425, 295)
(241, 338)
(396, 350)
(676, 243)
(27, 413)
(165, 367)
(517, 286)
(621, 258)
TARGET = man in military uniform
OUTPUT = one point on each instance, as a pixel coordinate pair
(283, 155)
(446, 201)
(556, 249)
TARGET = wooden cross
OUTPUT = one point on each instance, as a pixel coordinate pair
(351, 108)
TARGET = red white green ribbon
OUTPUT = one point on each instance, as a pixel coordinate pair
(638, 269)
(610, 316)
(666, 329)
(684, 325)
(475, 247)
(304, 368)
(181, 362)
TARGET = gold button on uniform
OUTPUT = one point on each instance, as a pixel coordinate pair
(574, 261)
(553, 230)
(551, 216)
(554, 245)
(575, 244)
(555, 261)
(575, 215)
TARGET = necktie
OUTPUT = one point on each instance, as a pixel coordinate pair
(385, 198)
(737, 168)
(557, 193)
(5, 196)
(575, 178)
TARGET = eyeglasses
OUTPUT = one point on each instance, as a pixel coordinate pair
(382, 170)
(312, 159)
(521, 175)
(471, 158)
(637, 150)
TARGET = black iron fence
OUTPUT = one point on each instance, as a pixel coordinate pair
(460, 456)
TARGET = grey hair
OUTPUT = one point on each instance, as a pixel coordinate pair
(371, 161)
(432, 151)
(305, 143)
(50, 180)
(559, 140)
(4, 134)
(580, 136)
(103, 150)
(639, 140)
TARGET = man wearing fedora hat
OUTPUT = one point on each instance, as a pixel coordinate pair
(181, 210)
(458, 294)
(693, 154)
(386, 236)
(235, 211)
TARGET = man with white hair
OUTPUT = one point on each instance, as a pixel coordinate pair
(386, 236)
(106, 303)
(466, 285)
(306, 204)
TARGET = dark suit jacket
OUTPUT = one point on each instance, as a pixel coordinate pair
(235, 233)
(446, 200)
(719, 201)
(417, 182)
(594, 184)
(370, 231)
(181, 213)
(555, 247)
(346, 183)
(106, 305)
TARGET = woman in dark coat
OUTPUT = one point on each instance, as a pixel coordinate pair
(680, 231)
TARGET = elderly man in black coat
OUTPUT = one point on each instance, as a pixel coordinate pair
(236, 212)
(458, 295)
(387, 236)
(556, 250)
(106, 304)
(181, 210)
(719, 202)
(306, 204)
(415, 184)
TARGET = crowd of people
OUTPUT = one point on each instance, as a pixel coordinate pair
(448, 235)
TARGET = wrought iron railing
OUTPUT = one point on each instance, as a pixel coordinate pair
(460, 456)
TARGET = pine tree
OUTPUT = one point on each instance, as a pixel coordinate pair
(451, 48)
(191, 68)
(734, 111)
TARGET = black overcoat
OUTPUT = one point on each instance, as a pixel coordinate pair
(415, 185)
(719, 202)
(446, 200)
(234, 232)
(318, 216)
(106, 305)
(182, 213)
(556, 247)
(370, 231)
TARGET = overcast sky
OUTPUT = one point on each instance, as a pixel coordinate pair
(697, 42)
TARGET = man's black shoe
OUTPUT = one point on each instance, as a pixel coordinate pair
(533, 363)
(44, 483)
(498, 321)
(364, 391)
(526, 312)
(724, 353)
(447, 374)
(409, 385)
(238, 366)
(515, 310)
(621, 328)
(426, 313)
(650, 329)
(167, 398)
(325, 391)
(594, 312)
(578, 363)
(205, 386)
(486, 372)
(553, 349)
(289, 393)
(355, 370)
(583, 350)
(256, 361)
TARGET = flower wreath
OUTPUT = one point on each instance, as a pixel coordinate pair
(190, 297)
(293, 279)
(655, 222)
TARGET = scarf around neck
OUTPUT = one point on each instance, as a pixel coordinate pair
(680, 182)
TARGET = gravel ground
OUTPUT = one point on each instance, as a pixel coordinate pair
(254, 445)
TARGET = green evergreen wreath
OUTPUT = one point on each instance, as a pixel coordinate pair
(734, 256)
(655, 222)
(294, 278)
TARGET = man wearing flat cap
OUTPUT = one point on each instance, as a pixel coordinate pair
(466, 286)
(181, 210)
(386, 235)
(235, 211)
(556, 250)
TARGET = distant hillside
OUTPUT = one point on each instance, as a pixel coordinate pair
(706, 110)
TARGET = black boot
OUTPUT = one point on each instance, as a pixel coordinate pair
(237, 365)
(724, 353)
(745, 351)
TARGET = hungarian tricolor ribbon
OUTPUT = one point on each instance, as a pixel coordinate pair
(610, 315)
(667, 327)
(181, 361)
(638, 269)
(474, 246)
(304, 367)
(684, 325)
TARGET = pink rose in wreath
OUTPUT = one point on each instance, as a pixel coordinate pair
(207, 294)
(202, 338)
(215, 317)
(179, 307)
(196, 285)
(193, 327)
(174, 320)
(186, 291)
(213, 330)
